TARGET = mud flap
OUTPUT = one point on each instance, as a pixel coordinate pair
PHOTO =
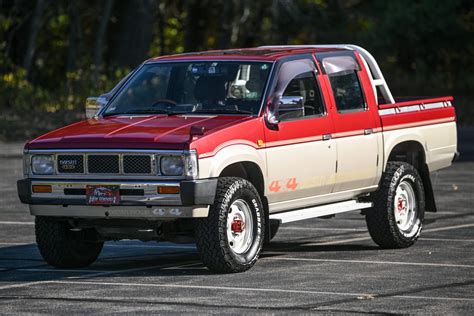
(429, 194)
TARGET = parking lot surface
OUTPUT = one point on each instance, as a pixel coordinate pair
(315, 266)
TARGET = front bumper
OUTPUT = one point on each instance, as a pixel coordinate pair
(141, 200)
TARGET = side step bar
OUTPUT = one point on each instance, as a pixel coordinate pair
(318, 211)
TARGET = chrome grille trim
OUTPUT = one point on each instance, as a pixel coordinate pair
(154, 156)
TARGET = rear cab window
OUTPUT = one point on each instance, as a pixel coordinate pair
(343, 76)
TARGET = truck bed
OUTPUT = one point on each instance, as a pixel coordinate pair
(431, 122)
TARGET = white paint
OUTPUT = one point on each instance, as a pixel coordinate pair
(16, 223)
(151, 246)
(58, 270)
(446, 239)
(249, 289)
(210, 287)
(428, 264)
(447, 228)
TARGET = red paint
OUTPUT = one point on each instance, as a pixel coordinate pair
(275, 186)
(291, 184)
(120, 132)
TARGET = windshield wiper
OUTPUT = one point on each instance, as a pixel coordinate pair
(221, 111)
(143, 111)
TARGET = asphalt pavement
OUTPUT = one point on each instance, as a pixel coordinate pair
(315, 266)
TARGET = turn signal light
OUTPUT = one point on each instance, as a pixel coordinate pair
(42, 189)
(168, 190)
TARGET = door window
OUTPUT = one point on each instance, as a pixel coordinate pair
(304, 85)
(297, 79)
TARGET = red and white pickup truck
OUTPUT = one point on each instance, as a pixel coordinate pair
(212, 147)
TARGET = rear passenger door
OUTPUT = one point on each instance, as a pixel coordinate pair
(300, 164)
(354, 120)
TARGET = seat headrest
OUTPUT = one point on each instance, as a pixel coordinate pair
(210, 88)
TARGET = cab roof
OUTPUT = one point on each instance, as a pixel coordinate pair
(256, 53)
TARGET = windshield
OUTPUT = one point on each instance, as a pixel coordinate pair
(193, 87)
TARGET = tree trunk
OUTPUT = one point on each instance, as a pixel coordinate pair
(135, 32)
(225, 30)
(99, 43)
(194, 26)
(36, 22)
(161, 27)
(75, 37)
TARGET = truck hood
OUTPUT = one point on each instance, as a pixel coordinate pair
(132, 132)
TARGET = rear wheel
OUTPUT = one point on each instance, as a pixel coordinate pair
(230, 239)
(62, 248)
(396, 219)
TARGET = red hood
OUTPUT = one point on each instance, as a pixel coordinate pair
(144, 132)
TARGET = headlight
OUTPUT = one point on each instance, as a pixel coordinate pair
(179, 165)
(42, 164)
(172, 165)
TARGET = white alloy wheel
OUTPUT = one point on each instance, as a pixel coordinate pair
(405, 206)
(239, 227)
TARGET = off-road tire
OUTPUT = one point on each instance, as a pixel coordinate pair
(381, 220)
(62, 248)
(211, 232)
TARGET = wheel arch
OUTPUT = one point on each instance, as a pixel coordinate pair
(414, 153)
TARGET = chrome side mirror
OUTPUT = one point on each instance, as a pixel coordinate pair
(286, 108)
(94, 105)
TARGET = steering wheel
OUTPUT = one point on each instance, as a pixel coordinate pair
(166, 101)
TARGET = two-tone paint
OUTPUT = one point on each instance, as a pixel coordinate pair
(311, 161)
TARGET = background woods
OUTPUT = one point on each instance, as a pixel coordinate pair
(55, 53)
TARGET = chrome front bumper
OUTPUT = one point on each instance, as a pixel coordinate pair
(142, 200)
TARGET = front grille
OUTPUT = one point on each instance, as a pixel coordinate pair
(70, 164)
(138, 164)
(103, 164)
(107, 164)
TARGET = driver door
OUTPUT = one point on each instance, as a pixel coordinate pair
(301, 157)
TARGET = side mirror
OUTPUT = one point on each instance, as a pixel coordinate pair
(286, 108)
(94, 105)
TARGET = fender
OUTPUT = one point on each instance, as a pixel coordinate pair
(212, 167)
(392, 138)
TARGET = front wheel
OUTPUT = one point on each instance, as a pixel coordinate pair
(396, 219)
(62, 248)
(230, 239)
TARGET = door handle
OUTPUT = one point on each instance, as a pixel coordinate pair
(327, 136)
(368, 131)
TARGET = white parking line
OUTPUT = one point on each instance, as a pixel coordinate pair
(16, 285)
(427, 264)
(102, 273)
(343, 241)
(16, 223)
(249, 289)
(150, 246)
(446, 239)
(15, 243)
(336, 242)
(91, 275)
(439, 229)
(112, 245)
(205, 287)
(58, 270)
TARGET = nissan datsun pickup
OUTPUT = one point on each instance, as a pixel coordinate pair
(219, 148)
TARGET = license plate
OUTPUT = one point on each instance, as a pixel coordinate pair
(102, 194)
